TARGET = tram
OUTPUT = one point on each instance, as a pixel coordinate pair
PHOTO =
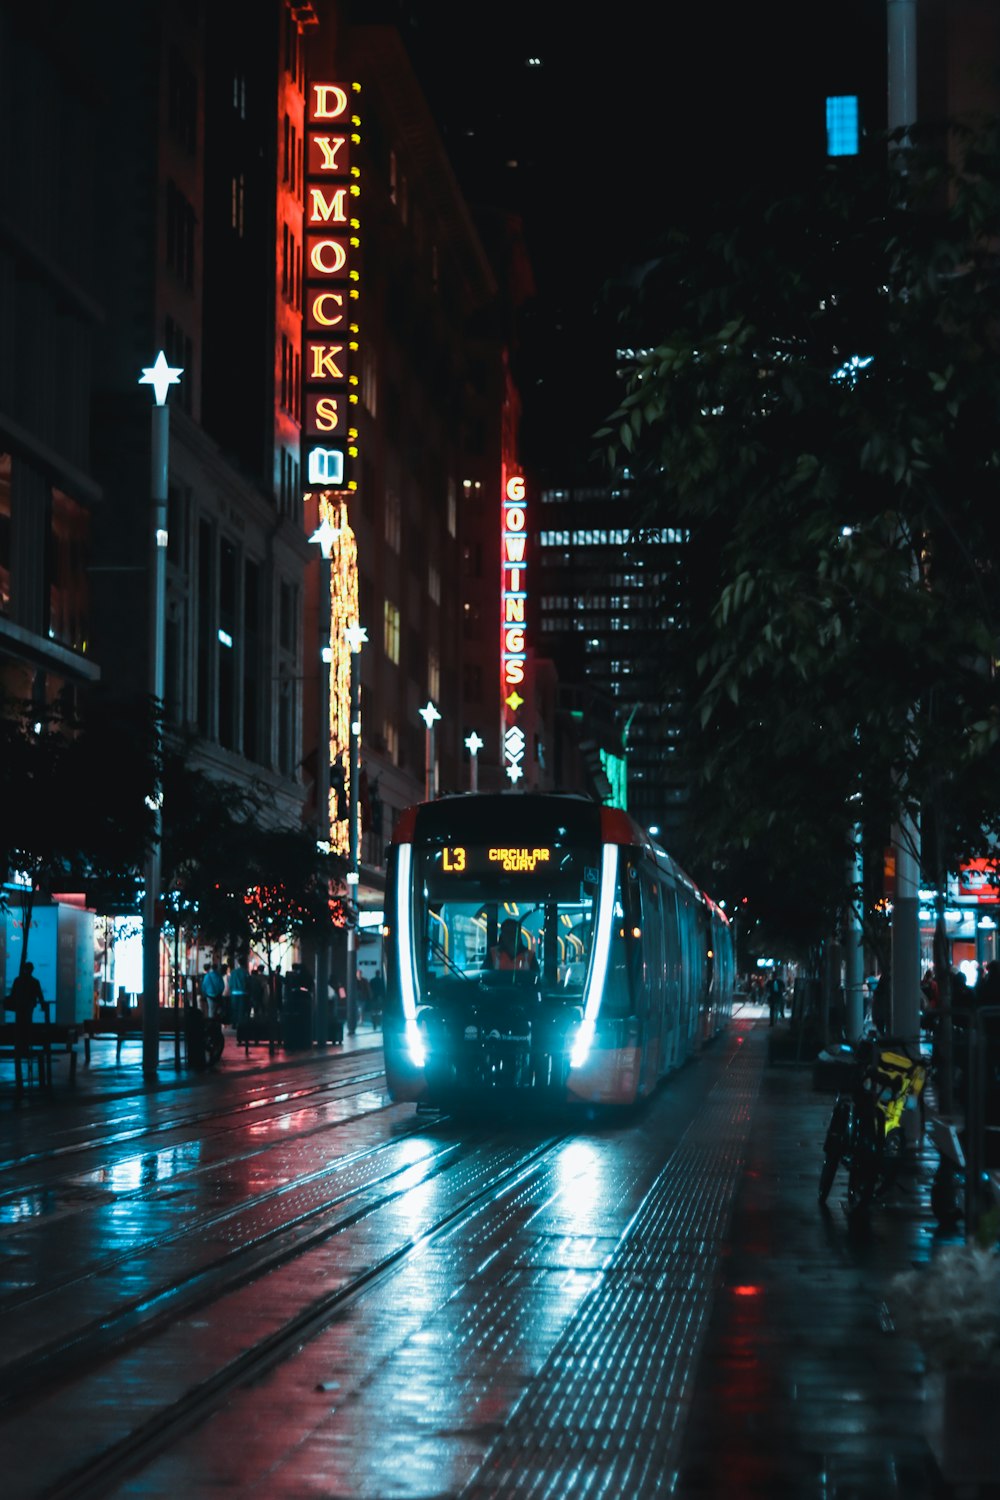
(540, 944)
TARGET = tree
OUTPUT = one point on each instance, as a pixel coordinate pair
(73, 797)
(230, 875)
(818, 400)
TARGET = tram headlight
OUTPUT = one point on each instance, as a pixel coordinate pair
(415, 1045)
(581, 1044)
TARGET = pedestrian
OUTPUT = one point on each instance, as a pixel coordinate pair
(377, 996)
(257, 994)
(776, 997)
(25, 995)
(987, 991)
(239, 992)
(213, 987)
(364, 995)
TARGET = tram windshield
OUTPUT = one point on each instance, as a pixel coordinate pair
(498, 915)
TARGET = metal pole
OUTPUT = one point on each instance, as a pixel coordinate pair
(321, 1000)
(906, 931)
(474, 773)
(854, 943)
(901, 31)
(151, 899)
(352, 857)
(428, 763)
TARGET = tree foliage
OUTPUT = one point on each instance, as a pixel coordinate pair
(77, 788)
(818, 399)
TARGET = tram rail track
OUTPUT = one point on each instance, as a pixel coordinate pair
(195, 1404)
(278, 1094)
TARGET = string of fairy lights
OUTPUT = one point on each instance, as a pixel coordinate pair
(340, 547)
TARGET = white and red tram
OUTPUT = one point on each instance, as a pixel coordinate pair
(624, 967)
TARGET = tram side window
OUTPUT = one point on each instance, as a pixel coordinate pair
(619, 989)
(652, 938)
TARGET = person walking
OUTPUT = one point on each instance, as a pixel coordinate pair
(25, 995)
(239, 992)
(258, 993)
(776, 997)
(213, 987)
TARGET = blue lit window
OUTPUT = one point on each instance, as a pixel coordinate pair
(842, 125)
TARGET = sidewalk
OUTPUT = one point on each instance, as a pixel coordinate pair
(104, 1077)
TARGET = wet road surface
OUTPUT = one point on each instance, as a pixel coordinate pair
(273, 1281)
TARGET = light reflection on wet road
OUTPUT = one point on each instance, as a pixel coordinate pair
(324, 1294)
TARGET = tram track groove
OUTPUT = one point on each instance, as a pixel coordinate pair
(23, 1375)
(187, 1120)
(93, 1480)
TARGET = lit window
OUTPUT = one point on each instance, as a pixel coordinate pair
(842, 125)
(391, 632)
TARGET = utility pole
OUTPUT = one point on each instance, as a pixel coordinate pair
(901, 29)
(161, 377)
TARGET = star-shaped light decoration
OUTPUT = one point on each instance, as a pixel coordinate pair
(326, 534)
(515, 773)
(429, 714)
(356, 637)
(514, 700)
(161, 376)
(473, 743)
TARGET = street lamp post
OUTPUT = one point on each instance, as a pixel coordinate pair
(430, 716)
(161, 377)
(356, 638)
(324, 536)
(474, 744)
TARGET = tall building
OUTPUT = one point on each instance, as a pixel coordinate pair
(612, 609)
(169, 206)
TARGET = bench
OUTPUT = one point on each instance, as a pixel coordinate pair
(46, 1037)
(127, 1027)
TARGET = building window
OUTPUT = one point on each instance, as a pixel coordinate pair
(240, 95)
(251, 655)
(390, 632)
(287, 630)
(239, 204)
(434, 675)
(229, 644)
(434, 584)
(452, 509)
(180, 235)
(390, 735)
(393, 520)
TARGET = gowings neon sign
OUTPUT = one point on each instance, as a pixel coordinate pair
(330, 376)
(513, 641)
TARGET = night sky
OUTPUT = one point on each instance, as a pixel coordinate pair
(622, 132)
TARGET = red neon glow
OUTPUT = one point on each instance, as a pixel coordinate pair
(513, 547)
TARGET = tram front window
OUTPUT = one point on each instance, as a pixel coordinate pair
(548, 906)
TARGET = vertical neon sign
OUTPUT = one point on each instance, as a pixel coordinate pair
(513, 646)
(330, 376)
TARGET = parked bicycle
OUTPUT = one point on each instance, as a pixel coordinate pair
(865, 1133)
